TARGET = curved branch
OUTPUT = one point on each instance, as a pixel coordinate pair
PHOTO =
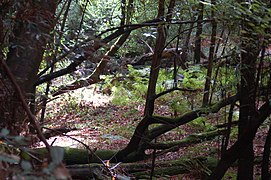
(167, 125)
(190, 139)
(171, 123)
(171, 90)
(99, 43)
(71, 68)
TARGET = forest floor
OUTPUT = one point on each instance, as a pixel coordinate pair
(102, 125)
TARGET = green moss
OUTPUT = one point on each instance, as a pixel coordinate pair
(80, 156)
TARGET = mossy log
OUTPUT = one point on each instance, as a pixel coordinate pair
(190, 139)
(203, 165)
(83, 156)
(80, 156)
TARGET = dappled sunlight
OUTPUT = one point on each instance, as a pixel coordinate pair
(94, 120)
(90, 95)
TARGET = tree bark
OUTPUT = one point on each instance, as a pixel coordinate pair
(266, 155)
(249, 53)
(136, 144)
(30, 37)
(34, 21)
(210, 59)
(156, 61)
(197, 54)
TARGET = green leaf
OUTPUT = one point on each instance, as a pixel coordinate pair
(251, 24)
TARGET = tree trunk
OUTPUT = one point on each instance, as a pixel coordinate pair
(240, 146)
(156, 61)
(266, 155)
(30, 37)
(249, 53)
(135, 150)
(34, 21)
(197, 54)
(210, 59)
(137, 143)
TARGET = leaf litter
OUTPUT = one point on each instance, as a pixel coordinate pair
(103, 125)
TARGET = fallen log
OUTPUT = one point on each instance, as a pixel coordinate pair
(83, 156)
(80, 156)
(201, 166)
(142, 170)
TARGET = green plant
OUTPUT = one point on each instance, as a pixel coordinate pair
(15, 154)
(194, 78)
(179, 105)
(120, 96)
(131, 112)
(201, 124)
(132, 87)
(234, 132)
(230, 174)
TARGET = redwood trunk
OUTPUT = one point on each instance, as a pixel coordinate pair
(34, 21)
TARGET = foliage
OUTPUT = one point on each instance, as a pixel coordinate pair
(230, 174)
(179, 104)
(103, 13)
(201, 124)
(194, 78)
(227, 81)
(132, 87)
(14, 152)
(257, 15)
